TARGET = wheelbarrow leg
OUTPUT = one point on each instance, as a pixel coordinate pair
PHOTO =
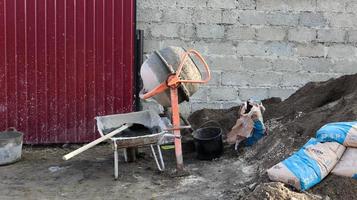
(161, 165)
(125, 153)
(115, 160)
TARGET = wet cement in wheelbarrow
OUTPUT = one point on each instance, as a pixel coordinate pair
(135, 130)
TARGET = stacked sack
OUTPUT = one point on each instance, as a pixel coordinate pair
(344, 133)
(318, 157)
(308, 166)
(347, 166)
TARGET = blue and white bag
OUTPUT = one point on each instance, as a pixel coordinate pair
(347, 166)
(308, 166)
(342, 132)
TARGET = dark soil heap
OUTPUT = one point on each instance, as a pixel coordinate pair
(291, 123)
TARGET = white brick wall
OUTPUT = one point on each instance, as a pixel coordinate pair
(259, 48)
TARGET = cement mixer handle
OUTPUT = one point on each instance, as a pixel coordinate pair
(173, 80)
(157, 90)
(200, 58)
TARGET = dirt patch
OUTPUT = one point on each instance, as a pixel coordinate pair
(226, 118)
(292, 123)
(277, 191)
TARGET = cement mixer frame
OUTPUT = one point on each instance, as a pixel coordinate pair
(173, 82)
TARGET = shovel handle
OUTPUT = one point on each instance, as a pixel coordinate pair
(95, 142)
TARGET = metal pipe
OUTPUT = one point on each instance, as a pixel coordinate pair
(177, 132)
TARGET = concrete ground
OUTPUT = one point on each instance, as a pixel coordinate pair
(42, 174)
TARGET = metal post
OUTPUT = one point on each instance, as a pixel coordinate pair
(176, 124)
(115, 160)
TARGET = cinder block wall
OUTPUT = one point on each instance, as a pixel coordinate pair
(255, 48)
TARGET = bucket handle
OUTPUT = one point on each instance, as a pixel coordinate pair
(210, 121)
(12, 129)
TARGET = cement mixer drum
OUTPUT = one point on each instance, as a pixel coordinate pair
(160, 65)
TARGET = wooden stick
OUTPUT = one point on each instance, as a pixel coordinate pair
(95, 142)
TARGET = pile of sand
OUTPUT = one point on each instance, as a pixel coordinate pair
(277, 191)
(292, 122)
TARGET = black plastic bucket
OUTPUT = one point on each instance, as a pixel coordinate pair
(208, 142)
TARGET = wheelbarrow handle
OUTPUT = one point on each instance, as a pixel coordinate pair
(201, 59)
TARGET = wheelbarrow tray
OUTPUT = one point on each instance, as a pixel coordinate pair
(139, 141)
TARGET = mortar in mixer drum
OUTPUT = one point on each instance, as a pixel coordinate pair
(160, 64)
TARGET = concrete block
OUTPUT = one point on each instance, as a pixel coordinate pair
(228, 104)
(345, 67)
(240, 33)
(271, 33)
(185, 109)
(351, 6)
(208, 16)
(311, 50)
(165, 30)
(318, 77)
(216, 77)
(175, 42)
(340, 51)
(177, 15)
(204, 105)
(256, 64)
(283, 93)
(301, 5)
(246, 4)
(201, 94)
(252, 17)
(225, 62)
(187, 30)
(297, 79)
(192, 4)
(331, 5)
(251, 79)
(282, 19)
(151, 45)
(156, 3)
(256, 93)
(219, 48)
(210, 31)
(331, 35)
(247, 48)
(312, 19)
(342, 20)
(280, 48)
(286, 65)
(272, 5)
(148, 15)
(316, 65)
(223, 94)
(230, 16)
(301, 34)
(221, 4)
(352, 36)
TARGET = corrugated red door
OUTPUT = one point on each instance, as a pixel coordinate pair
(63, 62)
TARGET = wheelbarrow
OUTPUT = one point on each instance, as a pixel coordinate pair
(116, 127)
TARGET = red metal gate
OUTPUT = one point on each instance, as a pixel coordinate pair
(63, 62)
